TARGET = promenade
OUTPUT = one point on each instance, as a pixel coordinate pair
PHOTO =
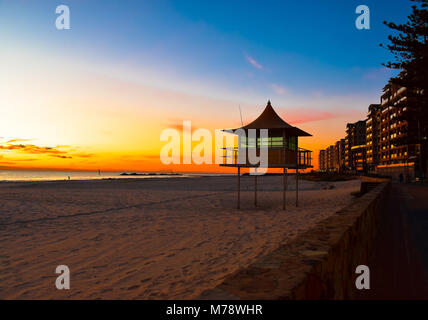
(399, 261)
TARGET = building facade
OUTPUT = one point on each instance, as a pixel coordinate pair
(336, 157)
(359, 156)
(373, 136)
(399, 151)
(341, 154)
(322, 160)
(330, 157)
(355, 140)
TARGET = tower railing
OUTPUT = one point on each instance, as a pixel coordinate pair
(277, 156)
(304, 157)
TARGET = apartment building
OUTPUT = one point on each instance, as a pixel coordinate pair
(341, 154)
(373, 136)
(388, 142)
(355, 141)
(322, 160)
(398, 151)
(329, 157)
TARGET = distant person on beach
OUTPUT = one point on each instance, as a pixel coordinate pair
(68, 178)
(401, 178)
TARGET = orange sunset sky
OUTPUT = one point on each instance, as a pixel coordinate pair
(98, 96)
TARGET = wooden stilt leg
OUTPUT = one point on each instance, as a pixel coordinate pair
(255, 188)
(284, 188)
(297, 187)
(239, 187)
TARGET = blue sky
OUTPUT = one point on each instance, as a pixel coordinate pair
(204, 58)
(300, 45)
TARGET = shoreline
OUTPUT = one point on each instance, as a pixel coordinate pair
(148, 176)
(91, 180)
(122, 178)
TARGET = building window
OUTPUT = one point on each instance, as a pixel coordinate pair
(270, 142)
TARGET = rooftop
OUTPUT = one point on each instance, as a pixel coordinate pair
(269, 119)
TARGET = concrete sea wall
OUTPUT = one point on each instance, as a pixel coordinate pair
(319, 264)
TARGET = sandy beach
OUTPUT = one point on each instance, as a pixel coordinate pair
(147, 238)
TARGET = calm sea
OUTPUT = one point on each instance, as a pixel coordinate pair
(30, 175)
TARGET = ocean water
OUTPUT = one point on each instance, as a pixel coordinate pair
(32, 175)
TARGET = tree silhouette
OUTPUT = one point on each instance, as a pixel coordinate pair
(410, 51)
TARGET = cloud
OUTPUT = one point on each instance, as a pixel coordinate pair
(33, 149)
(254, 63)
(280, 90)
(2, 163)
(179, 126)
(25, 160)
(299, 115)
(61, 157)
(83, 155)
(18, 140)
(302, 116)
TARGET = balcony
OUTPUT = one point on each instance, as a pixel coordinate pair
(277, 158)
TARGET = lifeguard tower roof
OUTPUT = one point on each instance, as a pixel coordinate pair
(269, 119)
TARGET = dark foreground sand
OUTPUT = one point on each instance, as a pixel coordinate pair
(147, 239)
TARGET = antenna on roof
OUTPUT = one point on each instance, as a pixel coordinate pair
(240, 112)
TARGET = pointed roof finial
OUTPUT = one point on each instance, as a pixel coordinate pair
(269, 103)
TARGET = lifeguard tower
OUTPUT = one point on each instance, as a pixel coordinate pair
(282, 145)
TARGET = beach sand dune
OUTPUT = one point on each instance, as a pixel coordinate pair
(147, 238)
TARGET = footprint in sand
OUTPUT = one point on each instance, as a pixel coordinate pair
(145, 280)
(201, 243)
(133, 287)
